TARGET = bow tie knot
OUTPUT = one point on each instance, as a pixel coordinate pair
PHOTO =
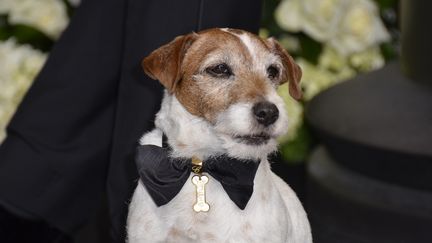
(164, 176)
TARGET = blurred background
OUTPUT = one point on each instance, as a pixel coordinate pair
(358, 151)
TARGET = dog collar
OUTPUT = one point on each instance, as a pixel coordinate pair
(164, 176)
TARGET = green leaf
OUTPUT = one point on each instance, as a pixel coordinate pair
(389, 51)
(387, 3)
(69, 8)
(297, 150)
(28, 35)
(268, 20)
(24, 34)
(310, 49)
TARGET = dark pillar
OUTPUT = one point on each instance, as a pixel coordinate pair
(376, 131)
(416, 39)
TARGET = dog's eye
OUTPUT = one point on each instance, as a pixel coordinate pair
(272, 72)
(220, 71)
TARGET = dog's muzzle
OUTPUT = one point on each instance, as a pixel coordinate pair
(257, 139)
(265, 113)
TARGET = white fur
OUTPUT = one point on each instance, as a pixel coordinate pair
(154, 137)
(181, 127)
(273, 214)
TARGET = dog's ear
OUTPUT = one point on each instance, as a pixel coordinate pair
(164, 63)
(293, 72)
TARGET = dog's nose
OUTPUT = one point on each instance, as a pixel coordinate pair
(266, 113)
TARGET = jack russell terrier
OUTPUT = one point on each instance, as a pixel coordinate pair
(210, 181)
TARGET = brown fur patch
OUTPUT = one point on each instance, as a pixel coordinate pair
(178, 65)
(164, 63)
(293, 72)
(246, 85)
(174, 233)
(181, 144)
(249, 89)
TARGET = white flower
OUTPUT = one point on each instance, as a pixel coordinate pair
(19, 64)
(360, 28)
(5, 6)
(330, 59)
(368, 60)
(315, 17)
(347, 25)
(6, 113)
(317, 78)
(49, 16)
(289, 16)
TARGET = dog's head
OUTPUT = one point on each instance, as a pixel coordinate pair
(229, 78)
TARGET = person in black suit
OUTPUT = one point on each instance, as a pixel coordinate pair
(74, 134)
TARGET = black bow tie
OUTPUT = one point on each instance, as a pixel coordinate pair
(164, 176)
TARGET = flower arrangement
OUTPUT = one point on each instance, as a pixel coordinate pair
(332, 40)
(28, 30)
(50, 17)
(19, 64)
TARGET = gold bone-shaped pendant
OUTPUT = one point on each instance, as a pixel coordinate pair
(201, 205)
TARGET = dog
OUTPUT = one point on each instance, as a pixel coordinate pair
(220, 100)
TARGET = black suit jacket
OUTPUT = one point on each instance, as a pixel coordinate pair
(74, 134)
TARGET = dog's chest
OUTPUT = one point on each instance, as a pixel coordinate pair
(225, 222)
(260, 221)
